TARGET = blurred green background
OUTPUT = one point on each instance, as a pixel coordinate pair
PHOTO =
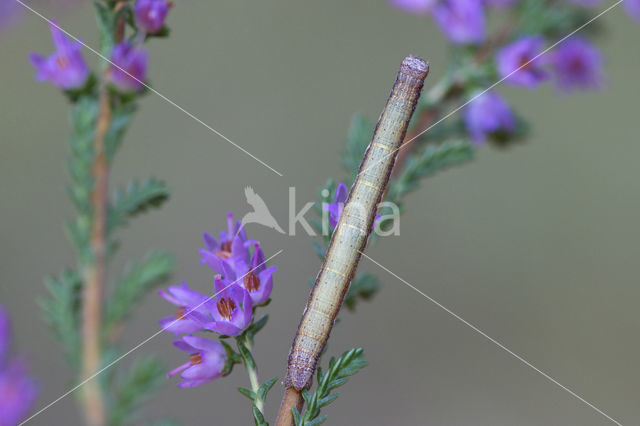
(536, 245)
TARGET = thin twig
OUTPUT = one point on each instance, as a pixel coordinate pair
(252, 371)
(95, 272)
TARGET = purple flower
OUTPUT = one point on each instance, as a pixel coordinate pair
(335, 208)
(229, 312)
(130, 69)
(186, 300)
(516, 63)
(461, 20)
(18, 390)
(151, 14)
(65, 67)
(257, 279)
(419, 7)
(487, 114)
(577, 64)
(633, 8)
(232, 246)
(207, 360)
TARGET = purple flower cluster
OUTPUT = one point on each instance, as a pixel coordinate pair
(129, 61)
(575, 64)
(241, 283)
(18, 390)
(471, 11)
(67, 69)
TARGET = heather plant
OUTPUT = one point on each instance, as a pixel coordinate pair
(536, 43)
(86, 312)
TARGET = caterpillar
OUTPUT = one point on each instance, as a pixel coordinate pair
(355, 224)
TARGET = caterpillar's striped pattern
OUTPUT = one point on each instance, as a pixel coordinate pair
(355, 224)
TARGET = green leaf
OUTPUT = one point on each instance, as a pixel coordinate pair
(248, 393)
(62, 310)
(297, 419)
(134, 387)
(317, 421)
(256, 327)
(327, 400)
(537, 17)
(358, 138)
(83, 118)
(306, 396)
(266, 387)
(135, 199)
(245, 353)
(320, 251)
(420, 165)
(348, 364)
(138, 279)
(106, 26)
(363, 287)
(232, 358)
(120, 118)
(258, 418)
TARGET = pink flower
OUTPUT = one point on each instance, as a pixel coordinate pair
(207, 360)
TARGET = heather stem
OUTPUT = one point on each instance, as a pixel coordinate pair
(252, 370)
(95, 271)
(95, 274)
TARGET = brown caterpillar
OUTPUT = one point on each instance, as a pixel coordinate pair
(355, 224)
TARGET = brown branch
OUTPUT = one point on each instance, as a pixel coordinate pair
(95, 273)
(292, 398)
(94, 402)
